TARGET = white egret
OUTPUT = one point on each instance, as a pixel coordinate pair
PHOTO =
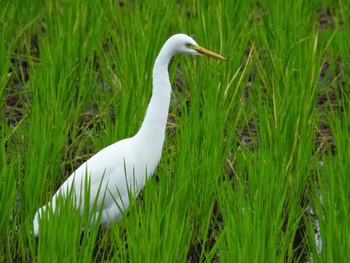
(124, 165)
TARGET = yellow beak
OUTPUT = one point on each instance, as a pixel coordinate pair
(208, 53)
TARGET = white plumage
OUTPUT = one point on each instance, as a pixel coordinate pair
(124, 165)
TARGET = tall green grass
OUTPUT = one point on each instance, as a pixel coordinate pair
(78, 73)
(331, 193)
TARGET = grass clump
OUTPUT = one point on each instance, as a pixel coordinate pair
(255, 161)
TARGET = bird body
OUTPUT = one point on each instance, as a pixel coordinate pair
(122, 168)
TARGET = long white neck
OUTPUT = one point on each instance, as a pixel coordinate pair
(152, 131)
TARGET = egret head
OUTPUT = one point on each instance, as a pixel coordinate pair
(185, 44)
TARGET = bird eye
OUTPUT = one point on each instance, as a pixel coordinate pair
(188, 45)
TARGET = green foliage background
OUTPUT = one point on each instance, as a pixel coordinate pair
(255, 166)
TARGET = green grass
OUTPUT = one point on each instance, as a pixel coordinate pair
(75, 76)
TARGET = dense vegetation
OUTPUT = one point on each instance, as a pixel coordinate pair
(256, 163)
